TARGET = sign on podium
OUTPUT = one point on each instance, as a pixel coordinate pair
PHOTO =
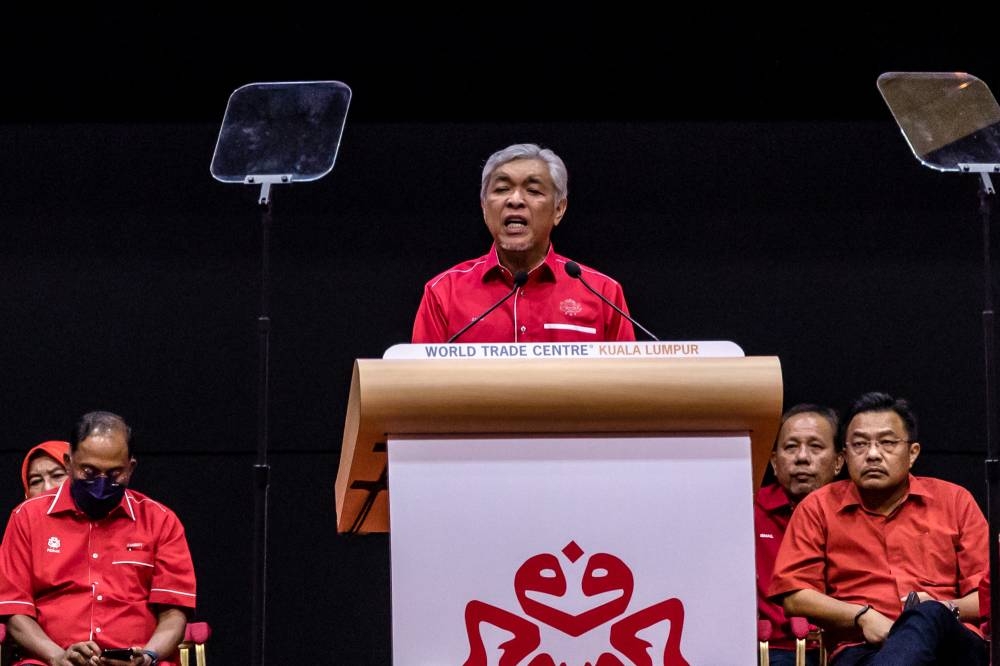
(560, 502)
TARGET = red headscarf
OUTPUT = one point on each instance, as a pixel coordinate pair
(54, 449)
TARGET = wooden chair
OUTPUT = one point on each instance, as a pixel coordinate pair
(195, 636)
(806, 633)
(763, 639)
(807, 637)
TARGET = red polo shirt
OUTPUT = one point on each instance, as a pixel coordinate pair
(771, 512)
(935, 542)
(550, 307)
(82, 579)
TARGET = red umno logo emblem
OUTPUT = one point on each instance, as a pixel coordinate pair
(542, 575)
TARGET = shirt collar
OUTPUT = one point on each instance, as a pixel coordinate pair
(918, 488)
(63, 503)
(772, 497)
(543, 272)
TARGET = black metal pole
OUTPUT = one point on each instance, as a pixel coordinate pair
(261, 469)
(992, 462)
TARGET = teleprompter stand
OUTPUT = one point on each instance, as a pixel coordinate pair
(274, 133)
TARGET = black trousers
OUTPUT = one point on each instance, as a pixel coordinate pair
(924, 635)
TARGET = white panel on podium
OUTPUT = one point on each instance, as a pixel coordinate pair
(491, 525)
(550, 350)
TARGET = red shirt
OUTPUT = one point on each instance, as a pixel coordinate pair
(94, 580)
(935, 542)
(550, 307)
(771, 511)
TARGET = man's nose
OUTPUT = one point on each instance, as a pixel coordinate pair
(874, 452)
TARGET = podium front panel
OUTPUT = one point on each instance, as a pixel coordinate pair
(573, 547)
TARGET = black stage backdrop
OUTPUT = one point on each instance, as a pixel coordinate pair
(131, 283)
(739, 175)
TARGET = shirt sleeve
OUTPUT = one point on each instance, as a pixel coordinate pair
(431, 324)
(973, 547)
(173, 582)
(800, 564)
(16, 597)
(616, 326)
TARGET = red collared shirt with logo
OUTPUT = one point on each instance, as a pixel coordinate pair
(84, 579)
(550, 307)
(934, 542)
(771, 512)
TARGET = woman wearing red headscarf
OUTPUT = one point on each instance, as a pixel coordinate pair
(44, 467)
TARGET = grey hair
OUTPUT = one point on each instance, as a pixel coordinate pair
(525, 151)
(100, 422)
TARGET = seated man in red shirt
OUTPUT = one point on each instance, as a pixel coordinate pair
(523, 197)
(856, 549)
(96, 565)
(805, 457)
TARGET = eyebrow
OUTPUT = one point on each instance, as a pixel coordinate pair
(86, 466)
(883, 431)
(531, 178)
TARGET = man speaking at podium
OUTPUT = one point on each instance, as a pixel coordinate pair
(521, 290)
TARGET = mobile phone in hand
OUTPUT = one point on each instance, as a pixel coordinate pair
(122, 654)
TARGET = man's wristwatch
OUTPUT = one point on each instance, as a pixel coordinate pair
(953, 607)
(152, 655)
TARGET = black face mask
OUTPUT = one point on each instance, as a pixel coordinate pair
(96, 497)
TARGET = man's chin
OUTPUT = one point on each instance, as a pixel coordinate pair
(800, 490)
(515, 245)
(874, 483)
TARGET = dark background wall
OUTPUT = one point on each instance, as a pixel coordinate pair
(743, 182)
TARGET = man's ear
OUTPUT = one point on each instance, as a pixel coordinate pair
(914, 452)
(560, 211)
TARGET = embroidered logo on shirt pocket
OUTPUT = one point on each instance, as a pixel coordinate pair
(570, 307)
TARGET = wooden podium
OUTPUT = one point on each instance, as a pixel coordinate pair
(578, 505)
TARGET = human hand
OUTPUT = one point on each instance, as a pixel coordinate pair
(78, 654)
(874, 626)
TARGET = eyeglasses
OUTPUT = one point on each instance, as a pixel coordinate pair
(115, 476)
(885, 445)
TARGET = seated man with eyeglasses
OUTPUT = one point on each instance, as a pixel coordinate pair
(856, 549)
(96, 565)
